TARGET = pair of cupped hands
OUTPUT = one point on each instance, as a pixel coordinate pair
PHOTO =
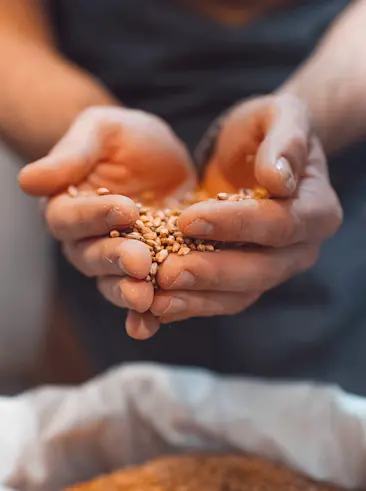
(131, 152)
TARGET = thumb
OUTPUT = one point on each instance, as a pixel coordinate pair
(51, 175)
(283, 154)
(67, 164)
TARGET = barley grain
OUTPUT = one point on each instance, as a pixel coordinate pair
(140, 224)
(103, 191)
(150, 235)
(175, 247)
(170, 240)
(153, 269)
(183, 251)
(72, 191)
(158, 227)
(161, 256)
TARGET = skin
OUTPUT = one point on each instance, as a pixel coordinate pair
(290, 164)
(103, 147)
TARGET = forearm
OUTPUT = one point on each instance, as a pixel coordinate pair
(40, 96)
(40, 91)
(332, 82)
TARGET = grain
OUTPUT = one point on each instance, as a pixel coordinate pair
(176, 246)
(134, 235)
(183, 251)
(114, 234)
(162, 255)
(72, 191)
(140, 224)
(102, 191)
(153, 269)
(157, 227)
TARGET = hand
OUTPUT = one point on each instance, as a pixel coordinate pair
(128, 152)
(284, 234)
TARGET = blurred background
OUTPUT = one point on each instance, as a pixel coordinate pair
(36, 345)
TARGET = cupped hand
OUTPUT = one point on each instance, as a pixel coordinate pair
(130, 153)
(283, 234)
(127, 151)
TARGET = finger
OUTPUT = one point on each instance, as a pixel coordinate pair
(263, 142)
(127, 292)
(89, 216)
(312, 216)
(68, 163)
(181, 305)
(107, 256)
(141, 326)
(231, 164)
(283, 154)
(143, 146)
(247, 270)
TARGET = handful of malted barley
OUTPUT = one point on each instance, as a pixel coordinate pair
(158, 227)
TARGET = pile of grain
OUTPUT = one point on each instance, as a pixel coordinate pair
(157, 227)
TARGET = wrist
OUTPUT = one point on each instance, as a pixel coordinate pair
(336, 104)
(301, 87)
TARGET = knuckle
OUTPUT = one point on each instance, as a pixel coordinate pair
(242, 303)
(289, 227)
(235, 308)
(69, 251)
(283, 231)
(335, 217)
(56, 224)
(237, 228)
(298, 140)
(211, 274)
(75, 254)
(294, 229)
(308, 258)
(101, 287)
(329, 217)
(92, 112)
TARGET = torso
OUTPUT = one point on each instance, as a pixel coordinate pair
(163, 57)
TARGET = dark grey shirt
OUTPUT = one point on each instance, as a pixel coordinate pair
(163, 57)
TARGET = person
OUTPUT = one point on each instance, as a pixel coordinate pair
(139, 78)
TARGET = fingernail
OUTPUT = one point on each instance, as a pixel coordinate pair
(184, 280)
(284, 168)
(168, 305)
(199, 228)
(115, 217)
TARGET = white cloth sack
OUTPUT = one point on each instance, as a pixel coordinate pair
(53, 437)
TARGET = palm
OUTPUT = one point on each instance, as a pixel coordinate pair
(129, 152)
(145, 162)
